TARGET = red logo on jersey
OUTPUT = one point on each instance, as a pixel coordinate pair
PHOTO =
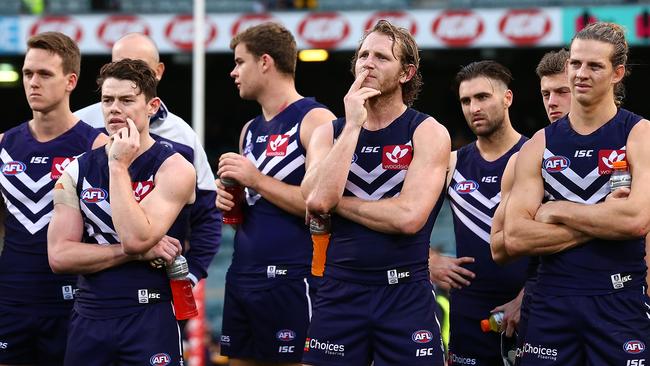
(58, 166)
(142, 189)
(606, 159)
(277, 145)
(396, 157)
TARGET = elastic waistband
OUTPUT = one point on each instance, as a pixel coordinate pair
(393, 276)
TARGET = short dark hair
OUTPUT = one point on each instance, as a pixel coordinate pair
(486, 68)
(59, 44)
(136, 71)
(272, 39)
(552, 63)
(409, 55)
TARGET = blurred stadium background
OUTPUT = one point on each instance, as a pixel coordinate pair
(450, 33)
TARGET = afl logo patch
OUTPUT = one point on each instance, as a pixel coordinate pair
(466, 186)
(556, 164)
(13, 168)
(160, 359)
(93, 195)
(286, 335)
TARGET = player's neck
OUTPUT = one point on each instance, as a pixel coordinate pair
(383, 110)
(46, 126)
(498, 143)
(277, 98)
(585, 119)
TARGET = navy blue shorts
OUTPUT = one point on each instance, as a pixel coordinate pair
(267, 324)
(524, 315)
(355, 324)
(469, 346)
(148, 337)
(32, 340)
(612, 329)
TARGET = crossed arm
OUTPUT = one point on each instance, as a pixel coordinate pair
(523, 235)
(425, 178)
(613, 219)
(497, 237)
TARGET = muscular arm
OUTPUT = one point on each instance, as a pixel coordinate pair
(614, 219)
(425, 178)
(497, 241)
(66, 253)
(522, 234)
(141, 226)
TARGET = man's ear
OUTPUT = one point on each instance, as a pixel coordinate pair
(152, 106)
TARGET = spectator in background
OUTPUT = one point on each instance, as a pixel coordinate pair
(171, 130)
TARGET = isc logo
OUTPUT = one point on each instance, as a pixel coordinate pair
(286, 335)
(583, 154)
(369, 149)
(286, 349)
(160, 359)
(3, 345)
(556, 164)
(93, 195)
(422, 336)
(466, 186)
(634, 347)
(639, 362)
(490, 179)
(424, 352)
(13, 168)
(261, 139)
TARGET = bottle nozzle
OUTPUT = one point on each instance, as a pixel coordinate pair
(485, 325)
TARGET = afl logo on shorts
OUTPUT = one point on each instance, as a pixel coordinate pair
(466, 186)
(634, 347)
(160, 359)
(286, 335)
(13, 168)
(422, 336)
(556, 164)
(93, 195)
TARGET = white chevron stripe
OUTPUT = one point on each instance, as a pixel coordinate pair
(28, 224)
(477, 195)
(471, 225)
(460, 201)
(34, 186)
(379, 192)
(371, 176)
(34, 207)
(290, 168)
(569, 195)
(91, 232)
(367, 177)
(277, 159)
(581, 182)
(95, 220)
